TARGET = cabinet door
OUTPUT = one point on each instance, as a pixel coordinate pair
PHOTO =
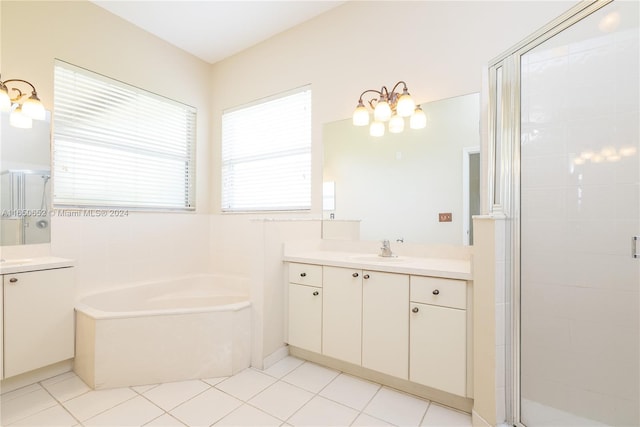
(438, 352)
(305, 317)
(342, 314)
(385, 323)
(38, 319)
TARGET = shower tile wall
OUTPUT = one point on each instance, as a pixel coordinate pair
(580, 198)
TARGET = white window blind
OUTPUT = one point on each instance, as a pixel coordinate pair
(266, 154)
(115, 145)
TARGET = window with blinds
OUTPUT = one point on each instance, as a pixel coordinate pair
(266, 154)
(115, 145)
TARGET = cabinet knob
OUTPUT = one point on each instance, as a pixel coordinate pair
(13, 280)
(436, 292)
(366, 276)
(315, 293)
(415, 309)
(355, 274)
(303, 274)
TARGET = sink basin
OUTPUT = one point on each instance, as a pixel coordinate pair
(11, 262)
(376, 258)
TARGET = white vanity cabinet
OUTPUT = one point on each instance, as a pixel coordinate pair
(385, 323)
(397, 325)
(438, 338)
(305, 306)
(365, 320)
(342, 314)
(38, 319)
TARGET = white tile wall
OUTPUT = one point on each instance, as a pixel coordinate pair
(580, 201)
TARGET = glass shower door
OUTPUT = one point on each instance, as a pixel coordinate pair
(579, 213)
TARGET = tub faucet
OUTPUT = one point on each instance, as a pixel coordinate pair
(385, 250)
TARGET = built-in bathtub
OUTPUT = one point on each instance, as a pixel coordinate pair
(185, 328)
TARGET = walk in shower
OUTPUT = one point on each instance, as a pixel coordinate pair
(24, 200)
(566, 124)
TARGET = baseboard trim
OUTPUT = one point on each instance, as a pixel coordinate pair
(37, 375)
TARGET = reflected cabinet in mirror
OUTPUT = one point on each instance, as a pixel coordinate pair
(25, 183)
(397, 185)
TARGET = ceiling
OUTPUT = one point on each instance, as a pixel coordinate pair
(215, 29)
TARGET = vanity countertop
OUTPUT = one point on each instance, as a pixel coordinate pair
(438, 267)
(21, 265)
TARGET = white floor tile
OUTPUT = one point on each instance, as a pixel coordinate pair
(143, 388)
(214, 381)
(24, 402)
(311, 377)
(94, 402)
(351, 391)
(323, 412)
(206, 408)
(58, 378)
(281, 400)
(283, 367)
(397, 408)
(169, 395)
(248, 416)
(246, 384)
(66, 388)
(56, 416)
(439, 416)
(365, 420)
(165, 420)
(134, 412)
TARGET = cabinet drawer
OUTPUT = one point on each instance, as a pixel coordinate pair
(305, 274)
(439, 291)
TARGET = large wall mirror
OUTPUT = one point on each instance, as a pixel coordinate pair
(399, 184)
(25, 182)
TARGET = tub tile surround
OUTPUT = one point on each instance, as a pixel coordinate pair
(249, 398)
(109, 352)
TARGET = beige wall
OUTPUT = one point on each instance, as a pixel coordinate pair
(438, 48)
(142, 246)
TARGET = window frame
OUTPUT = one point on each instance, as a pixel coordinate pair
(306, 151)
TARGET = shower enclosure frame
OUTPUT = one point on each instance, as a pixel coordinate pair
(503, 178)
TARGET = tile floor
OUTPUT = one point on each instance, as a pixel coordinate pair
(290, 393)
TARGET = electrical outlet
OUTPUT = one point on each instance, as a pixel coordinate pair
(445, 217)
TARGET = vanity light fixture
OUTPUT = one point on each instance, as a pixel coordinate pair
(24, 109)
(390, 107)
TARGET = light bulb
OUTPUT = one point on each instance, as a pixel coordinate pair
(418, 119)
(396, 124)
(382, 112)
(19, 120)
(376, 129)
(33, 108)
(361, 115)
(405, 105)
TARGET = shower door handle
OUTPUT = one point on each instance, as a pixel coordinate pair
(634, 247)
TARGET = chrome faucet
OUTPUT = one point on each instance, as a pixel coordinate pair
(385, 250)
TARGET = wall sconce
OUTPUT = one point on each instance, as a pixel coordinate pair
(390, 107)
(23, 111)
